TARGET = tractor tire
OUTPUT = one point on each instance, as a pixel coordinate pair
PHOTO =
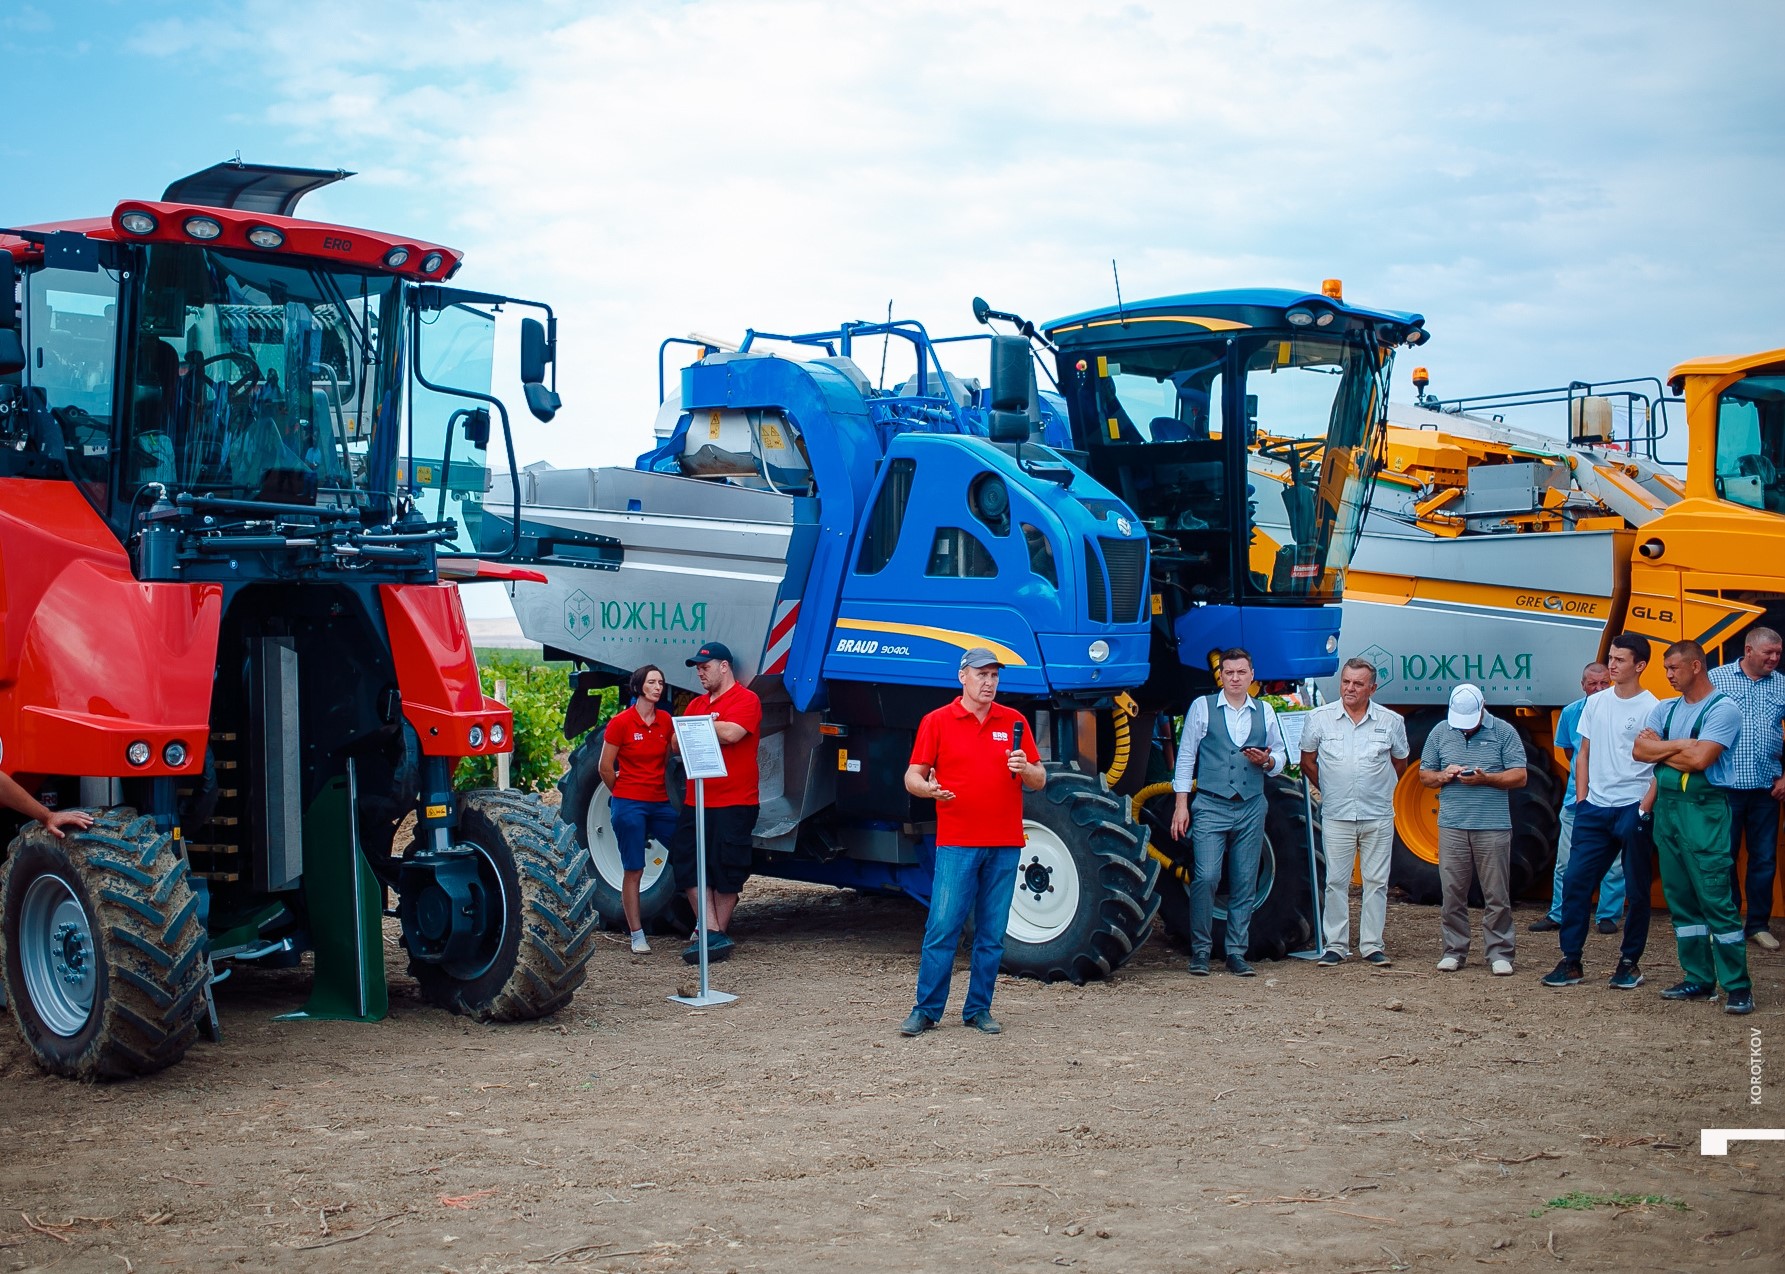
(531, 964)
(585, 808)
(1536, 823)
(1286, 892)
(104, 956)
(1084, 900)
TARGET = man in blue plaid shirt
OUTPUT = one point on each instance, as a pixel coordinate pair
(1758, 689)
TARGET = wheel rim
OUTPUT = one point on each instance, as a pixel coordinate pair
(1047, 888)
(1261, 886)
(1416, 816)
(490, 876)
(57, 955)
(604, 846)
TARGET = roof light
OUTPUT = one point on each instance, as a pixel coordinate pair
(203, 227)
(1324, 318)
(266, 237)
(1421, 377)
(432, 262)
(396, 258)
(137, 221)
(1333, 288)
(1300, 317)
(1418, 336)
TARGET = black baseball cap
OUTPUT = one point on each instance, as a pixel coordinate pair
(712, 650)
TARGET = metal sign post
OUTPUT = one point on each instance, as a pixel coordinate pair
(701, 757)
(1292, 724)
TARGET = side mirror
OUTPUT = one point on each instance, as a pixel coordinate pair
(536, 352)
(542, 402)
(1008, 426)
(1012, 376)
(477, 428)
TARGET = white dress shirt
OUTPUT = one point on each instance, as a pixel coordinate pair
(1239, 729)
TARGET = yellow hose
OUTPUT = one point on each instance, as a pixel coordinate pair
(1126, 710)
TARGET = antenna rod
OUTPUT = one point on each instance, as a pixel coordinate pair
(1119, 314)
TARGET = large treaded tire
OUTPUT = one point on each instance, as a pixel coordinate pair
(1536, 824)
(1410, 870)
(1085, 899)
(131, 930)
(549, 919)
(1283, 915)
(585, 808)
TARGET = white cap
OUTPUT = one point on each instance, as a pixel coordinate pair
(1465, 706)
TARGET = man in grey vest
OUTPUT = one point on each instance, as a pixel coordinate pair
(1231, 742)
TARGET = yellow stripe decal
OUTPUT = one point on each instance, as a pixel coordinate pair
(1206, 324)
(966, 641)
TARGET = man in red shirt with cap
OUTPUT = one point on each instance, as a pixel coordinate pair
(730, 802)
(974, 758)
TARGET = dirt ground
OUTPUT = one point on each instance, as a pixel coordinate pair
(1307, 1119)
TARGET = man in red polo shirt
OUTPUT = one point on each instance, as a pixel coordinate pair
(973, 758)
(730, 802)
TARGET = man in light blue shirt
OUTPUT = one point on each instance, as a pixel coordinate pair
(1593, 679)
(1758, 690)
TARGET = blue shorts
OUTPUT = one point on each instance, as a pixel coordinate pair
(637, 822)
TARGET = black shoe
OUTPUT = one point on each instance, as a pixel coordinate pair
(1740, 1003)
(1605, 926)
(1689, 991)
(1627, 978)
(719, 947)
(916, 1024)
(1330, 959)
(1237, 966)
(1546, 925)
(1566, 973)
(1379, 959)
(1199, 966)
(983, 1022)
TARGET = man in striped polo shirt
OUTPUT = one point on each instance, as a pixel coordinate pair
(1474, 759)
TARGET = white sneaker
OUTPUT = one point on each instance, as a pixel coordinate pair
(1502, 968)
(640, 946)
(1449, 964)
(1761, 938)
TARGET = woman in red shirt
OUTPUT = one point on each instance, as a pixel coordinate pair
(633, 749)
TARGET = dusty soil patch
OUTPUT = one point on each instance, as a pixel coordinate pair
(1307, 1119)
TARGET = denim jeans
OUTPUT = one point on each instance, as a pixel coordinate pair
(1611, 890)
(1603, 837)
(967, 879)
(1754, 816)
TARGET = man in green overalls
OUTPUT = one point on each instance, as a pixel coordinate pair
(1688, 740)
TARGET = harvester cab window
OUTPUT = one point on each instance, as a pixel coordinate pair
(71, 328)
(1751, 443)
(458, 351)
(254, 379)
(1309, 408)
(1148, 397)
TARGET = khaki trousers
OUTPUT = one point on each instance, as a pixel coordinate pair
(1465, 856)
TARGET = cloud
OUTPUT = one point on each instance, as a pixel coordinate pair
(1582, 190)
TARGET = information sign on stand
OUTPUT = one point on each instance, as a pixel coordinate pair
(702, 759)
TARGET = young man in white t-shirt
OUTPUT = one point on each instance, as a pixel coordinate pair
(1613, 791)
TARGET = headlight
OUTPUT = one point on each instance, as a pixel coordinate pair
(1332, 644)
(203, 227)
(498, 736)
(1099, 651)
(138, 753)
(266, 237)
(396, 257)
(476, 736)
(138, 222)
(432, 262)
(174, 754)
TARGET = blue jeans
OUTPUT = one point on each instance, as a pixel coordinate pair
(982, 881)
(1230, 832)
(635, 824)
(1603, 837)
(1754, 816)
(1611, 890)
